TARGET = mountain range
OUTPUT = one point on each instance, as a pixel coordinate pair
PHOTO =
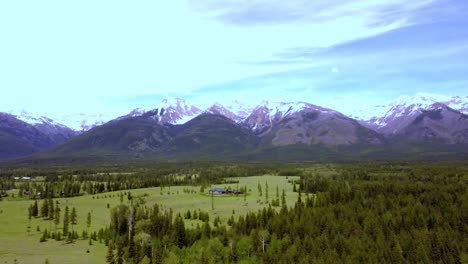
(421, 126)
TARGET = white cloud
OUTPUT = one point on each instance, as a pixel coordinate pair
(64, 55)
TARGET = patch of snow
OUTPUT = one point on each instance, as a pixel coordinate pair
(35, 119)
(411, 104)
(83, 122)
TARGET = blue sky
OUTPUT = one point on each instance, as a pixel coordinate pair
(61, 57)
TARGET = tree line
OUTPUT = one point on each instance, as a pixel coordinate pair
(359, 215)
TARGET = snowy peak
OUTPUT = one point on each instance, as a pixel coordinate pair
(286, 108)
(83, 122)
(77, 122)
(177, 111)
(37, 128)
(406, 105)
(34, 119)
(172, 111)
(234, 110)
(267, 114)
(395, 116)
(424, 101)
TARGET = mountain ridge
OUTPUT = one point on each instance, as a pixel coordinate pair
(168, 131)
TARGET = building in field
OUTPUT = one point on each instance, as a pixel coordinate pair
(217, 191)
(220, 191)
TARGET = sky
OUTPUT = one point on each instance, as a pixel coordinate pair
(111, 56)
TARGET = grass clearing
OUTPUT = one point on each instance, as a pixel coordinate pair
(17, 244)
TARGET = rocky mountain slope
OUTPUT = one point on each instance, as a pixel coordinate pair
(392, 118)
(437, 123)
(18, 138)
(177, 129)
(320, 127)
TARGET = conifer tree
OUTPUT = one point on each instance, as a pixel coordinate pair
(88, 220)
(51, 209)
(35, 209)
(66, 221)
(57, 216)
(45, 209)
(73, 217)
(283, 198)
(180, 235)
(120, 253)
(110, 258)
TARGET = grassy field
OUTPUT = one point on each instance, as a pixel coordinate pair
(19, 246)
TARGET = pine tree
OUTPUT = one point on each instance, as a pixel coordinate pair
(35, 209)
(45, 209)
(57, 216)
(88, 220)
(259, 187)
(110, 258)
(180, 231)
(120, 253)
(283, 198)
(266, 192)
(66, 221)
(51, 209)
(44, 236)
(73, 217)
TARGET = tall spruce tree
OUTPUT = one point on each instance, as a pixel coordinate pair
(57, 216)
(110, 258)
(88, 220)
(73, 217)
(51, 209)
(35, 209)
(45, 208)
(66, 220)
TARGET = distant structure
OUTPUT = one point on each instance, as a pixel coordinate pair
(22, 178)
(222, 191)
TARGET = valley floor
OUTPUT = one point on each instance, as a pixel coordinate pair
(17, 245)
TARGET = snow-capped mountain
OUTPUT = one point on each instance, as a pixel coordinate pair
(33, 119)
(267, 114)
(258, 118)
(391, 118)
(78, 122)
(178, 111)
(415, 119)
(234, 110)
(438, 123)
(55, 130)
(83, 122)
(171, 111)
(24, 133)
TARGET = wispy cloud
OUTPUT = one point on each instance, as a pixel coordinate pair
(123, 52)
(261, 12)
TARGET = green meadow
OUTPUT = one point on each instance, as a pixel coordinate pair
(17, 245)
